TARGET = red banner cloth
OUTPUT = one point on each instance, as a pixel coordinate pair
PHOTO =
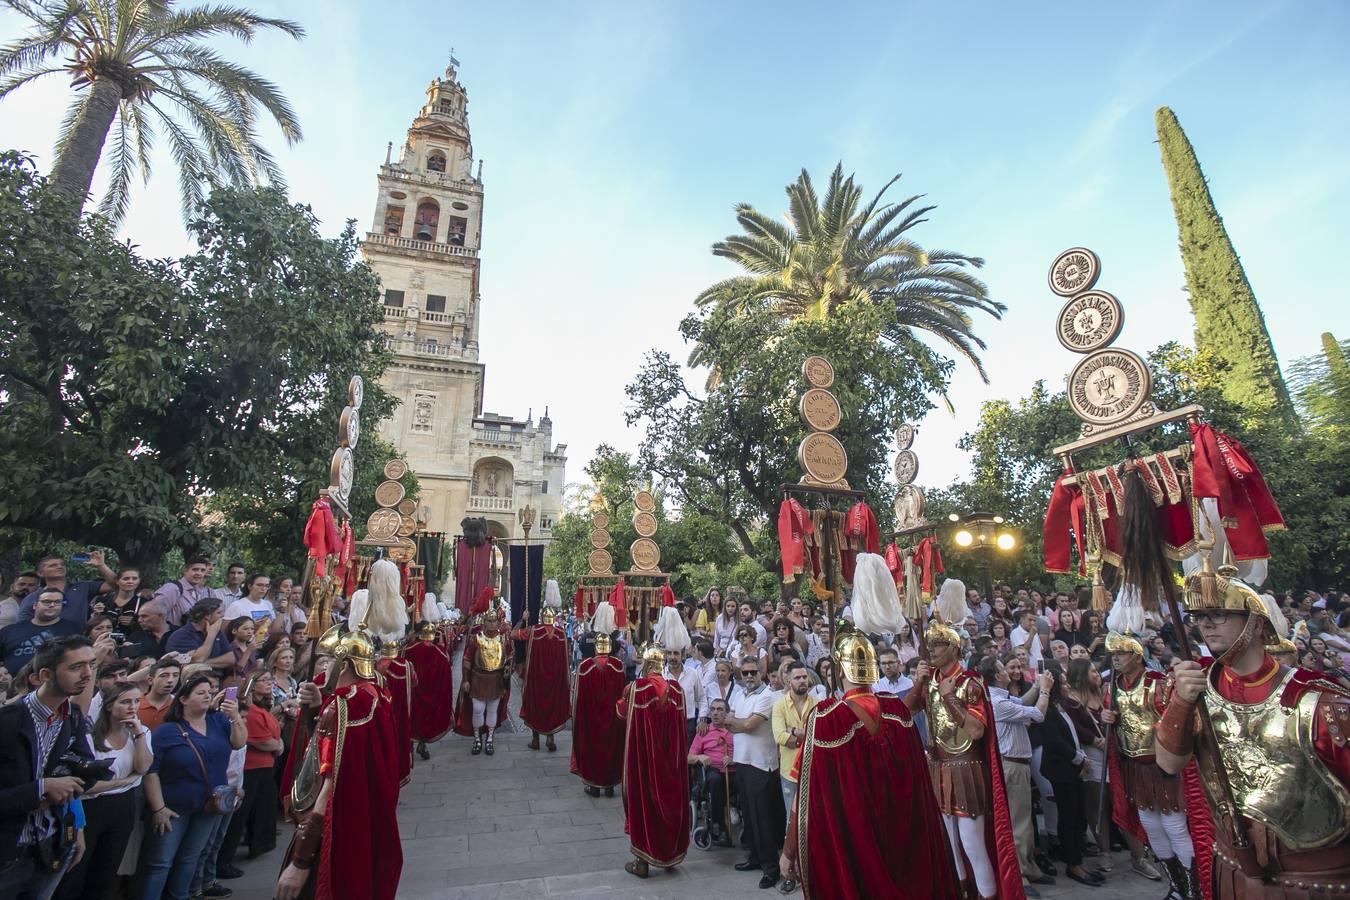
(794, 524)
(862, 523)
(473, 568)
(597, 730)
(1223, 470)
(545, 701)
(321, 536)
(618, 598)
(928, 560)
(655, 772)
(361, 855)
(399, 679)
(867, 822)
(433, 697)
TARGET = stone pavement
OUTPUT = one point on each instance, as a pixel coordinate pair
(517, 825)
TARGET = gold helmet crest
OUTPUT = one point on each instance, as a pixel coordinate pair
(855, 656)
(356, 647)
(651, 657)
(939, 632)
(1123, 643)
(1224, 590)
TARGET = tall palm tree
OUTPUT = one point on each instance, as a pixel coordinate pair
(142, 65)
(839, 251)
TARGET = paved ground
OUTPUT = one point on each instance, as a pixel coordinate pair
(517, 825)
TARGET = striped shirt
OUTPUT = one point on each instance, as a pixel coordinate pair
(46, 725)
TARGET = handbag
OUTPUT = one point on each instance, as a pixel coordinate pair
(223, 799)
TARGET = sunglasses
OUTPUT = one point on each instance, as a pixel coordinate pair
(748, 673)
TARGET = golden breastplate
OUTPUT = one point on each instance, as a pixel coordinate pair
(489, 655)
(1277, 777)
(947, 734)
(1136, 718)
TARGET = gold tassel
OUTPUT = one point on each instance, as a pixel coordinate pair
(1101, 597)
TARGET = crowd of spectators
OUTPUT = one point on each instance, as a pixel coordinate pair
(144, 727)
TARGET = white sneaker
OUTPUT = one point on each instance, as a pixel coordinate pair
(1145, 868)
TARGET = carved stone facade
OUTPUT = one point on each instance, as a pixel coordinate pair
(426, 231)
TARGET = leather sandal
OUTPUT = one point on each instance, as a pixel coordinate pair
(637, 867)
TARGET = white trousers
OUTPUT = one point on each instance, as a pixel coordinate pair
(485, 713)
(1168, 835)
(966, 833)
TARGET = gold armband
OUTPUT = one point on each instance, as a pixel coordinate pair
(1175, 731)
(308, 837)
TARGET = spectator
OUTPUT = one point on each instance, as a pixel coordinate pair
(150, 636)
(209, 863)
(1059, 651)
(998, 636)
(201, 637)
(789, 728)
(1027, 636)
(285, 694)
(191, 752)
(154, 704)
(747, 614)
(746, 650)
(240, 632)
(815, 642)
(1079, 652)
(111, 806)
(36, 733)
(756, 758)
(724, 685)
(180, 596)
(1001, 611)
(1062, 763)
(1066, 628)
(234, 584)
(825, 686)
(52, 571)
(892, 681)
(253, 603)
(1011, 717)
(979, 608)
(1093, 634)
(695, 704)
(255, 821)
(122, 602)
(724, 627)
(700, 659)
(20, 642)
(290, 610)
(712, 751)
(784, 641)
(23, 584)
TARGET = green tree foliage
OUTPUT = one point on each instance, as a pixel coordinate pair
(837, 251)
(687, 539)
(724, 453)
(1321, 385)
(142, 69)
(1228, 319)
(133, 389)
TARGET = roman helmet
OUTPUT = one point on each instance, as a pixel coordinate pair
(547, 615)
(602, 646)
(1223, 590)
(651, 657)
(855, 656)
(355, 647)
(1123, 643)
(939, 632)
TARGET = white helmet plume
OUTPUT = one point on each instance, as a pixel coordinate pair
(552, 596)
(875, 602)
(388, 618)
(670, 631)
(951, 602)
(603, 620)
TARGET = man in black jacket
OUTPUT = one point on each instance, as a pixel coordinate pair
(37, 839)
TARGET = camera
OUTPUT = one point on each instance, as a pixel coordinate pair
(118, 637)
(89, 771)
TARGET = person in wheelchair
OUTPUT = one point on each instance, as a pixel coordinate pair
(710, 757)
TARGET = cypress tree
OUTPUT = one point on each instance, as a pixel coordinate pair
(1228, 319)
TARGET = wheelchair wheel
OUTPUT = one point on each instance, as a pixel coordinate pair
(703, 838)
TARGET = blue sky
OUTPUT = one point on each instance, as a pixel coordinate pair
(617, 137)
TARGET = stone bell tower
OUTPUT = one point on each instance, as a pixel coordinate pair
(424, 244)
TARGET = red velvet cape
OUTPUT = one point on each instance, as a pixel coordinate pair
(868, 824)
(463, 705)
(544, 704)
(399, 679)
(361, 856)
(655, 771)
(597, 730)
(433, 698)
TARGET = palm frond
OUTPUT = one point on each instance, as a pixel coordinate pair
(803, 207)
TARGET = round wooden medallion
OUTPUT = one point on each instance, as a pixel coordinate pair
(820, 409)
(349, 427)
(407, 506)
(407, 526)
(906, 466)
(1109, 386)
(389, 493)
(340, 474)
(1089, 321)
(405, 551)
(646, 554)
(644, 523)
(600, 520)
(600, 538)
(823, 458)
(383, 525)
(904, 436)
(356, 392)
(644, 501)
(1073, 271)
(600, 562)
(818, 372)
(395, 469)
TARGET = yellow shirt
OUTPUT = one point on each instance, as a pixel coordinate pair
(785, 718)
(701, 621)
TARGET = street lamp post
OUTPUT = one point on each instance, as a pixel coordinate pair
(985, 535)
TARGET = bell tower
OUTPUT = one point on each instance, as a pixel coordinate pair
(424, 242)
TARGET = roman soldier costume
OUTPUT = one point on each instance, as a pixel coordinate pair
(655, 771)
(400, 681)
(433, 694)
(597, 730)
(1275, 753)
(345, 794)
(485, 679)
(544, 703)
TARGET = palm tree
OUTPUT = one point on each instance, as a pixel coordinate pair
(836, 252)
(142, 66)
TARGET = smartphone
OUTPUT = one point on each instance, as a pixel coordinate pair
(79, 557)
(232, 693)
(118, 637)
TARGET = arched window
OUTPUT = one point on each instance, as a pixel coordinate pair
(428, 217)
(436, 161)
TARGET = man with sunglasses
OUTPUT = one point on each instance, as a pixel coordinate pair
(755, 754)
(1279, 737)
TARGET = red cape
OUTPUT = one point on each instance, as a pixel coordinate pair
(463, 706)
(655, 771)
(597, 730)
(399, 679)
(867, 822)
(544, 705)
(433, 698)
(998, 832)
(361, 855)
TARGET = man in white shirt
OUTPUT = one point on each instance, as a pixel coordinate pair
(1026, 635)
(747, 613)
(892, 680)
(1011, 718)
(695, 700)
(234, 583)
(756, 756)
